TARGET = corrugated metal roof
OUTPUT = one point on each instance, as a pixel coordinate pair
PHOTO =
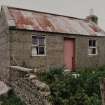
(39, 21)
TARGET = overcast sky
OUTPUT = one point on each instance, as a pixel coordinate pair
(74, 8)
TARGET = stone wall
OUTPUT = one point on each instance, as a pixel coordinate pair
(20, 48)
(27, 92)
(26, 88)
(4, 47)
(21, 44)
(83, 60)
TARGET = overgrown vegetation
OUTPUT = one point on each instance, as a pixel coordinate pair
(12, 99)
(79, 88)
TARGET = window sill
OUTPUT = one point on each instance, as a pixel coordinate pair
(92, 54)
(38, 55)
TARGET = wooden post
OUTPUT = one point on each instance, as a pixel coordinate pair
(102, 88)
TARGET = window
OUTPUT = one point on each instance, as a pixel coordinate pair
(38, 45)
(92, 47)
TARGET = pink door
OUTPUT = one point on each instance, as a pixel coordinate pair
(69, 55)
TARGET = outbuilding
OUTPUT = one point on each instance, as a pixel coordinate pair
(41, 40)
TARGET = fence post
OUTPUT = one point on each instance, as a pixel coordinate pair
(102, 89)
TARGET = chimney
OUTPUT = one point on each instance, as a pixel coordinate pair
(92, 17)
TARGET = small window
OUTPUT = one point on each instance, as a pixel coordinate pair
(38, 45)
(92, 50)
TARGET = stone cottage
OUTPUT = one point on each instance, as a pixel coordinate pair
(41, 40)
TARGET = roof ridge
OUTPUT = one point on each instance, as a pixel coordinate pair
(24, 9)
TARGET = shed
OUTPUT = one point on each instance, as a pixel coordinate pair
(41, 40)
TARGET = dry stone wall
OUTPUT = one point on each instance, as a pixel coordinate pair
(27, 92)
(26, 88)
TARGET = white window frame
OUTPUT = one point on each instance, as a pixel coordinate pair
(33, 45)
(92, 47)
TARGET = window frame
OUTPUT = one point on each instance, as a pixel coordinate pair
(37, 45)
(92, 47)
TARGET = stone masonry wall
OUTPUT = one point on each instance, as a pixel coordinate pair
(21, 44)
(20, 48)
(83, 60)
(4, 47)
(27, 92)
(26, 88)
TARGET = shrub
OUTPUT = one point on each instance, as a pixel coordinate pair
(66, 89)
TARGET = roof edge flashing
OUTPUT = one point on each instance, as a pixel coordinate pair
(60, 33)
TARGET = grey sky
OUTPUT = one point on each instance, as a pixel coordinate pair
(75, 8)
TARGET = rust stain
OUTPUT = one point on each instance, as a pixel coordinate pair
(51, 23)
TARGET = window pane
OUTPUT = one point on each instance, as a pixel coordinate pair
(34, 51)
(34, 40)
(90, 51)
(94, 43)
(94, 51)
(41, 41)
(41, 50)
(90, 43)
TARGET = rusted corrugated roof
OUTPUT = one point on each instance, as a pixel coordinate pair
(39, 21)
